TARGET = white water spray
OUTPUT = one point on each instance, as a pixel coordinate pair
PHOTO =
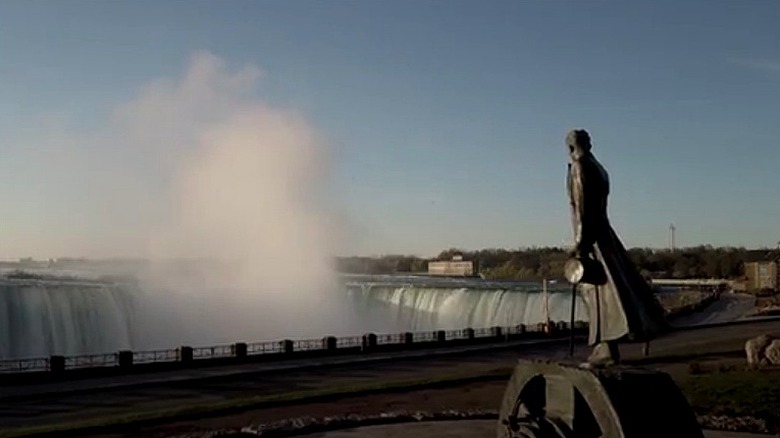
(246, 198)
(226, 193)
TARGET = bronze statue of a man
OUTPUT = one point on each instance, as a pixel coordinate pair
(621, 305)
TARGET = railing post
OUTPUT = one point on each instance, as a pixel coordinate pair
(470, 334)
(497, 332)
(57, 364)
(287, 346)
(408, 338)
(369, 341)
(185, 354)
(125, 358)
(239, 350)
(441, 336)
(330, 343)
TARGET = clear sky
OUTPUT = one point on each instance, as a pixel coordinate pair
(444, 120)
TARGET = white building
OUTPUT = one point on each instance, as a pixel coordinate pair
(457, 267)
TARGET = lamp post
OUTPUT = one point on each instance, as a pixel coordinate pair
(546, 304)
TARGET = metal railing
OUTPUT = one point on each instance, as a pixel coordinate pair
(24, 365)
(156, 356)
(453, 335)
(483, 332)
(349, 342)
(120, 359)
(390, 339)
(424, 336)
(255, 348)
(308, 345)
(92, 361)
(215, 352)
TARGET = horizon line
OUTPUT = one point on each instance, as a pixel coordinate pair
(371, 256)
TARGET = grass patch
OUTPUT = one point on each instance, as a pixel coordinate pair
(204, 409)
(736, 393)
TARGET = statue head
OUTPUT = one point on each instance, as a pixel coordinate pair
(578, 142)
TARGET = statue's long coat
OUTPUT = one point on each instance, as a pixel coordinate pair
(623, 309)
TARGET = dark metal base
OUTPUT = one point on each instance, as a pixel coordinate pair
(547, 399)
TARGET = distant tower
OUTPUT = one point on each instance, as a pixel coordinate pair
(671, 237)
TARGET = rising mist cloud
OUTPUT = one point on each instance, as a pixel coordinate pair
(198, 167)
(121, 188)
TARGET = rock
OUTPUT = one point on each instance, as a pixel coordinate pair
(755, 349)
(772, 352)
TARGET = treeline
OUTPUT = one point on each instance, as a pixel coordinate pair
(389, 264)
(535, 263)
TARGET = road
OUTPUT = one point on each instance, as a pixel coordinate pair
(25, 405)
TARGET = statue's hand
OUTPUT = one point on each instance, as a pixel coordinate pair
(582, 251)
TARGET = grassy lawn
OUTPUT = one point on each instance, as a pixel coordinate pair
(735, 392)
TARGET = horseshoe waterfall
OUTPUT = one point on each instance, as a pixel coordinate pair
(72, 317)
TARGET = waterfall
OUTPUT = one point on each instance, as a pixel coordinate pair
(421, 307)
(40, 318)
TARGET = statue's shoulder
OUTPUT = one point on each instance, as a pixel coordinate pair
(587, 172)
(590, 168)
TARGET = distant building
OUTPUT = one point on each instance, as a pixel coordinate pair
(457, 267)
(761, 270)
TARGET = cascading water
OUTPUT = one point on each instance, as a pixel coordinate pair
(439, 304)
(42, 317)
(39, 318)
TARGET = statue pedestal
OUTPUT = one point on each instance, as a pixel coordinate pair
(546, 399)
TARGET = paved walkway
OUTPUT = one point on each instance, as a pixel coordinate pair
(54, 408)
(112, 383)
(456, 429)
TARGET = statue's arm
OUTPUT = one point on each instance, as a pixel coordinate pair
(577, 199)
(568, 185)
(572, 205)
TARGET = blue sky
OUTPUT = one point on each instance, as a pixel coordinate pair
(444, 120)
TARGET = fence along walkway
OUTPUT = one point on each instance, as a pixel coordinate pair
(240, 350)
